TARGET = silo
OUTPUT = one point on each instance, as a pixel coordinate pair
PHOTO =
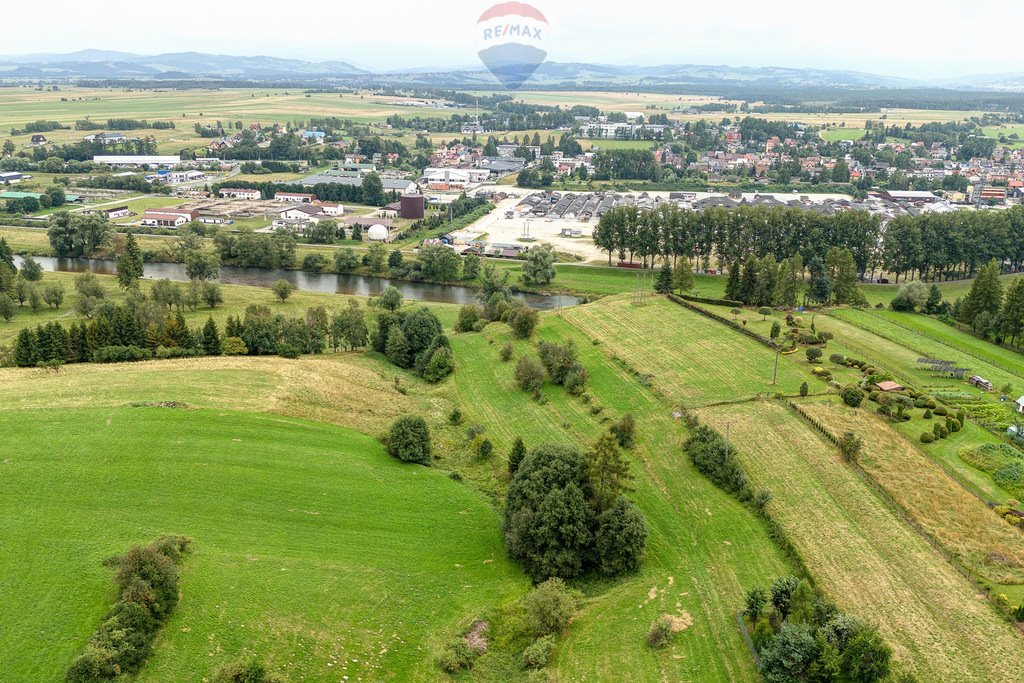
(413, 206)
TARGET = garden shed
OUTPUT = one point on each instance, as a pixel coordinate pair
(889, 387)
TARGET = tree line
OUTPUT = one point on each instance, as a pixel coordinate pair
(952, 245)
(730, 235)
(930, 246)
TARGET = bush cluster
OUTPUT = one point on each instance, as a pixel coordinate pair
(414, 340)
(800, 635)
(708, 452)
(562, 364)
(552, 524)
(246, 671)
(409, 440)
(147, 580)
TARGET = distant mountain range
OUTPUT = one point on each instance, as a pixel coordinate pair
(107, 65)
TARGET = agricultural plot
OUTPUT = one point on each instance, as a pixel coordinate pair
(926, 337)
(960, 521)
(864, 556)
(704, 548)
(186, 108)
(313, 549)
(687, 357)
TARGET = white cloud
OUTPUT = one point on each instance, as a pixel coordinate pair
(913, 38)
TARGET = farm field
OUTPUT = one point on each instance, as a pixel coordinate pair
(704, 548)
(959, 341)
(961, 522)
(1009, 131)
(325, 547)
(864, 556)
(691, 359)
(186, 108)
(877, 337)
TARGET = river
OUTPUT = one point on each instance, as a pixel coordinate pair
(327, 283)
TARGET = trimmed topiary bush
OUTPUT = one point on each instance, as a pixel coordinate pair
(941, 411)
(852, 396)
(927, 437)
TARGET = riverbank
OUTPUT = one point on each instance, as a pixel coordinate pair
(320, 283)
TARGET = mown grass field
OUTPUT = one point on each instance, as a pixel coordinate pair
(313, 549)
(956, 340)
(692, 359)
(704, 548)
(837, 134)
(960, 521)
(864, 556)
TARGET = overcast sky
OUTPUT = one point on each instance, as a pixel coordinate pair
(911, 38)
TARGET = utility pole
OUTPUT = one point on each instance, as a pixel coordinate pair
(775, 374)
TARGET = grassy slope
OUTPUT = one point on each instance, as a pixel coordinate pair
(313, 548)
(952, 338)
(855, 337)
(864, 557)
(877, 537)
(704, 549)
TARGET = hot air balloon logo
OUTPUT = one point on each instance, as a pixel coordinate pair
(513, 37)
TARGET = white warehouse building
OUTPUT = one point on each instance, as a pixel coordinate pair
(126, 160)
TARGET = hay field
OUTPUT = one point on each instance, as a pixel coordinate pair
(961, 522)
(864, 556)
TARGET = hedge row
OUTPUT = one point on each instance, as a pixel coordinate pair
(147, 579)
(706, 449)
(711, 302)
